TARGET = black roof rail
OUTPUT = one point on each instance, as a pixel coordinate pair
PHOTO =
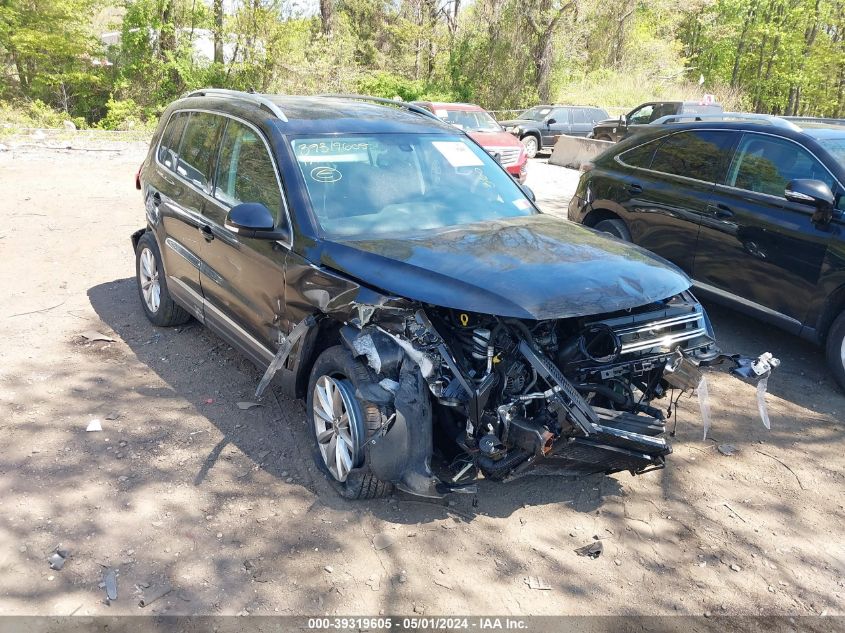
(692, 117)
(402, 104)
(256, 99)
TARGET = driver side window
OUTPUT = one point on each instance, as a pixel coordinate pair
(641, 115)
(245, 171)
(766, 164)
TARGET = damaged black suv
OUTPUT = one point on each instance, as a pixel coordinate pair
(379, 263)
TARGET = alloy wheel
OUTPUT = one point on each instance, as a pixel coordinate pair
(148, 278)
(337, 425)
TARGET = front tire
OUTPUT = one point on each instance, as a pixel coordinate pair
(341, 423)
(158, 305)
(836, 350)
(532, 146)
(614, 227)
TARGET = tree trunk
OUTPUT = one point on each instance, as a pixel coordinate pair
(218, 32)
(167, 35)
(618, 47)
(431, 5)
(326, 16)
(740, 48)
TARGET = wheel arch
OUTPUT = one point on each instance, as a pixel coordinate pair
(535, 134)
(600, 214)
(318, 339)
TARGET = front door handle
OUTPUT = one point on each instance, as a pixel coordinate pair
(634, 189)
(207, 233)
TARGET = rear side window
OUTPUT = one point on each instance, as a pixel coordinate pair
(170, 140)
(696, 154)
(766, 164)
(580, 116)
(245, 171)
(198, 148)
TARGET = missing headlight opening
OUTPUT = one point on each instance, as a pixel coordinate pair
(505, 395)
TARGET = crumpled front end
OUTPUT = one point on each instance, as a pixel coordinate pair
(503, 395)
(576, 394)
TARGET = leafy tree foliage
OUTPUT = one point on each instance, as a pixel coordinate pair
(779, 56)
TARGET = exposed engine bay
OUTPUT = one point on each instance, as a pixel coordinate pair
(507, 395)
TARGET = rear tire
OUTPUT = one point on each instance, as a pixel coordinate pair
(836, 350)
(339, 442)
(614, 227)
(532, 146)
(158, 305)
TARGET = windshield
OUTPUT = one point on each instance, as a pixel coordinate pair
(835, 147)
(536, 114)
(471, 121)
(364, 185)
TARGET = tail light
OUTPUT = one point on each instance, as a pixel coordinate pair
(138, 177)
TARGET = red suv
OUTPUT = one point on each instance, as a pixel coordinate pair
(484, 130)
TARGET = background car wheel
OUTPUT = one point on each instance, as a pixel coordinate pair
(614, 227)
(603, 137)
(836, 350)
(152, 285)
(341, 424)
(531, 145)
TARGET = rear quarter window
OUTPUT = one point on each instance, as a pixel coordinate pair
(640, 156)
(167, 149)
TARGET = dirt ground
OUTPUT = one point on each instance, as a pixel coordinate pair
(183, 488)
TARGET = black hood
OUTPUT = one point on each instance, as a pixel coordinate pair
(534, 267)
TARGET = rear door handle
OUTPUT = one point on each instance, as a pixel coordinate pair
(723, 212)
(207, 233)
(634, 188)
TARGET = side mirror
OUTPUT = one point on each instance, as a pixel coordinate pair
(528, 192)
(812, 193)
(623, 120)
(253, 219)
(550, 121)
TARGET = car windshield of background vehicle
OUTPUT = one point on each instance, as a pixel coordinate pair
(535, 114)
(470, 121)
(363, 185)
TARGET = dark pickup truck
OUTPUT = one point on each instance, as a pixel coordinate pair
(647, 113)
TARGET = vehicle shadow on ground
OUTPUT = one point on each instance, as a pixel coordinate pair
(198, 366)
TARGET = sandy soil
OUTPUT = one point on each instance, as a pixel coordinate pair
(182, 487)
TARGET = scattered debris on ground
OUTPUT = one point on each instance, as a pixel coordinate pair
(535, 582)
